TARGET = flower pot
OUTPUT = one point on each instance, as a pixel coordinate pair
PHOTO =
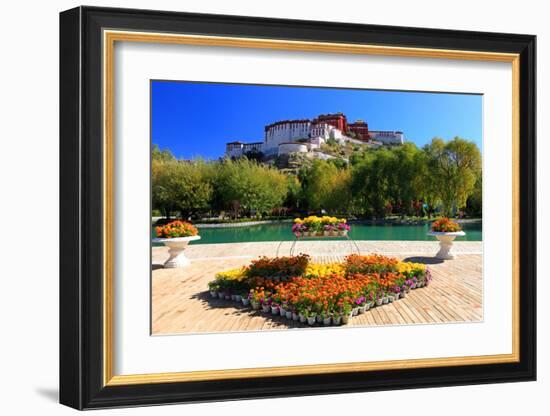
(176, 250)
(255, 305)
(221, 295)
(233, 297)
(403, 295)
(345, 319)
(355, 311)
(385, 300)
(238, 298)
(379, 302)
(213, 293)
(302, 318)
(413, 286)
(288, 315)
(295, 316)
(362, 309)
(266, 308)
(326, 233)
(390, 298)
(396, 296)
(282, 312)
(311, 320)
(274, 310)
(337, 320)
(327, 321)
(446, 243)
(227, 297)
(319, 319)
(368, 306)
(246, 301)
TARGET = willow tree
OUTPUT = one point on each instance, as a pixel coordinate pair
(246, 185)
(327, 186)
(181, 185)
(454, 167)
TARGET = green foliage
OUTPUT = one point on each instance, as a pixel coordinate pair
(247, 185)
(162, 155)
(375, 182)
(327, 186)
(454, 166)
(181, 185)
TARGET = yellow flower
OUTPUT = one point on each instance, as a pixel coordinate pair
(232, 274)
(327, 269)
(298, 220)
(407, 267)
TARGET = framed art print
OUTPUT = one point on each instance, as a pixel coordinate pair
(259, 207)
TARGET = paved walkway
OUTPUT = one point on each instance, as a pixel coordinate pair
(182, 304)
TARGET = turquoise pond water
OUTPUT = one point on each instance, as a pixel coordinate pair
(281, 232)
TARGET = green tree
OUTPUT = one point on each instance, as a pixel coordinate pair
(181, 185)
(162, 155)
(250, 186)
(455, 166)
(327, 186)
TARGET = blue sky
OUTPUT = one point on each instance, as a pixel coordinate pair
(197, 119)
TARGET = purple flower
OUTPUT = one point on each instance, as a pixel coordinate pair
(343, 226)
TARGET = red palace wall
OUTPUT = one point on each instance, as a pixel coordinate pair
(336, 120)
(361, 130)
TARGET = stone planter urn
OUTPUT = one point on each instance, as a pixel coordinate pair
(446, 243)
(177, 247)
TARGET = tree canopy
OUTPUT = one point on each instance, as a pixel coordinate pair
(404, 180)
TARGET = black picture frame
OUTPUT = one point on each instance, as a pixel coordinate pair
(81, 203)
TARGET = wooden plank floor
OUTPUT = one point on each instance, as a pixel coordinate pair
(182, 304)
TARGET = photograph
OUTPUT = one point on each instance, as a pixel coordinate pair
(285, 207)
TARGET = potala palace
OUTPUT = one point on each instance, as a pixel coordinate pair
(303, 136)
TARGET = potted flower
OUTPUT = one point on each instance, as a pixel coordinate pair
(327, 319)
(343, 228)
(266, 306)
(246, 300)
(427, 277)
(299, 229)
(329, 230)
(396, 290)
(255, 300)
(274, 309)
(346, 313)
(361, 303)
(445, 231)
(213, 288)
(176, 235)
(311, 318)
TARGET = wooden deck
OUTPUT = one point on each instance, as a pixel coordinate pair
(181, 302)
